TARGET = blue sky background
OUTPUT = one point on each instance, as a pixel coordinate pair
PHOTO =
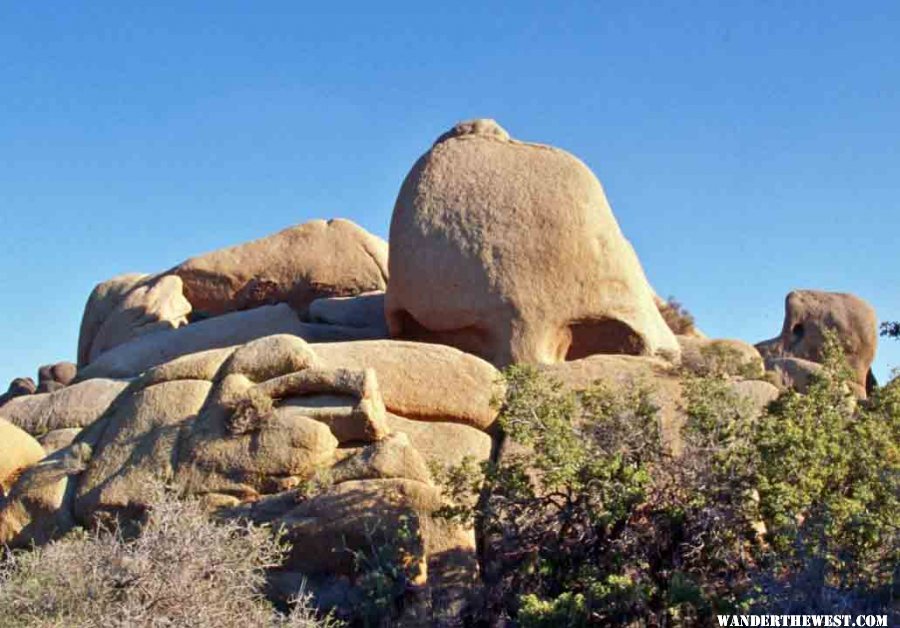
(746, 149)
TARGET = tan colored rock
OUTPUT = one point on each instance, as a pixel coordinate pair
(348, 421)
(807, 316)
(138, 447)
(104, 299)
(423, 381)
(270, 357)
(201, 365)
(145, 352)
(366, 418)
(55, 440)
(155, 304)
(38, 508)
(391, 457)
(722, 356)
(759, 393)
(77, 405)
(510, 251)
(324, 527)
(443, 444)
(794, 372)
(363, 310)
(283, 443)
(295, 266)
(18, 451)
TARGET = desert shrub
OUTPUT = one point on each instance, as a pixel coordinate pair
(679, 320)
(387, 568)
(586, 519)
(181, 570)
(829, 481)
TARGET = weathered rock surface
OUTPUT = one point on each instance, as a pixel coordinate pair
(77, 405)
(423, 381)
(732, 357)
(39, 505)
(444, 444)
(808, 314)
(147, 351)
(103, 300)
(510, 251)
(18, 451)
(138, 444)
(127, 307)
(295, 266)
(61, 372)
(364, 310)
(55, 440)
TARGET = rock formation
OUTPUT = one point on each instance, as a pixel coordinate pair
(286, 381)
(510, 251)
(808, 315)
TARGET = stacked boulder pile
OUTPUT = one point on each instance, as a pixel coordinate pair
(313, 379)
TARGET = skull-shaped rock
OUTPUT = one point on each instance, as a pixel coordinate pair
(808, 314)
(510, 251)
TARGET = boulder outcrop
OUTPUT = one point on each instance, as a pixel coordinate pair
(808, 316)
(294, 266)
(510, 251)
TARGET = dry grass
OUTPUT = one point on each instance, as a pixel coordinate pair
(181, 570)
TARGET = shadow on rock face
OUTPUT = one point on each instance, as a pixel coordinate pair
(510, 251)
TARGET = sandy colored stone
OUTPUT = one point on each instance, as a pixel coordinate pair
(18, 451)
(423, 381)
(77, 405)
(270, 357)
(137, 447)
(295, 266)
(104, 298)
(201, 365)
(444, 444)
(510, 251)
(363, 310)
(155, 304)
(759, 393)
(322, 528)
(38, 508)
(55, 440)
(807, 316)
(285, 443)
(237, 328)
(732, 357)
(343, 415)
(391, 457)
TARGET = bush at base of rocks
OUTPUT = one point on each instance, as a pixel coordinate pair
(181, 570)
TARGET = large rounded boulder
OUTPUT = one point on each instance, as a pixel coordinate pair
(296, 266)
(510, 251)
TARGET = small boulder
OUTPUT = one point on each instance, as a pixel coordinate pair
(61, 372)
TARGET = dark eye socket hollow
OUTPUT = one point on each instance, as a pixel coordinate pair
(603, 336)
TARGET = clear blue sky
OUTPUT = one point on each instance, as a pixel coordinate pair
(747, 149)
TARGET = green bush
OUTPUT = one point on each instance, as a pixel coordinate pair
(585, 518)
